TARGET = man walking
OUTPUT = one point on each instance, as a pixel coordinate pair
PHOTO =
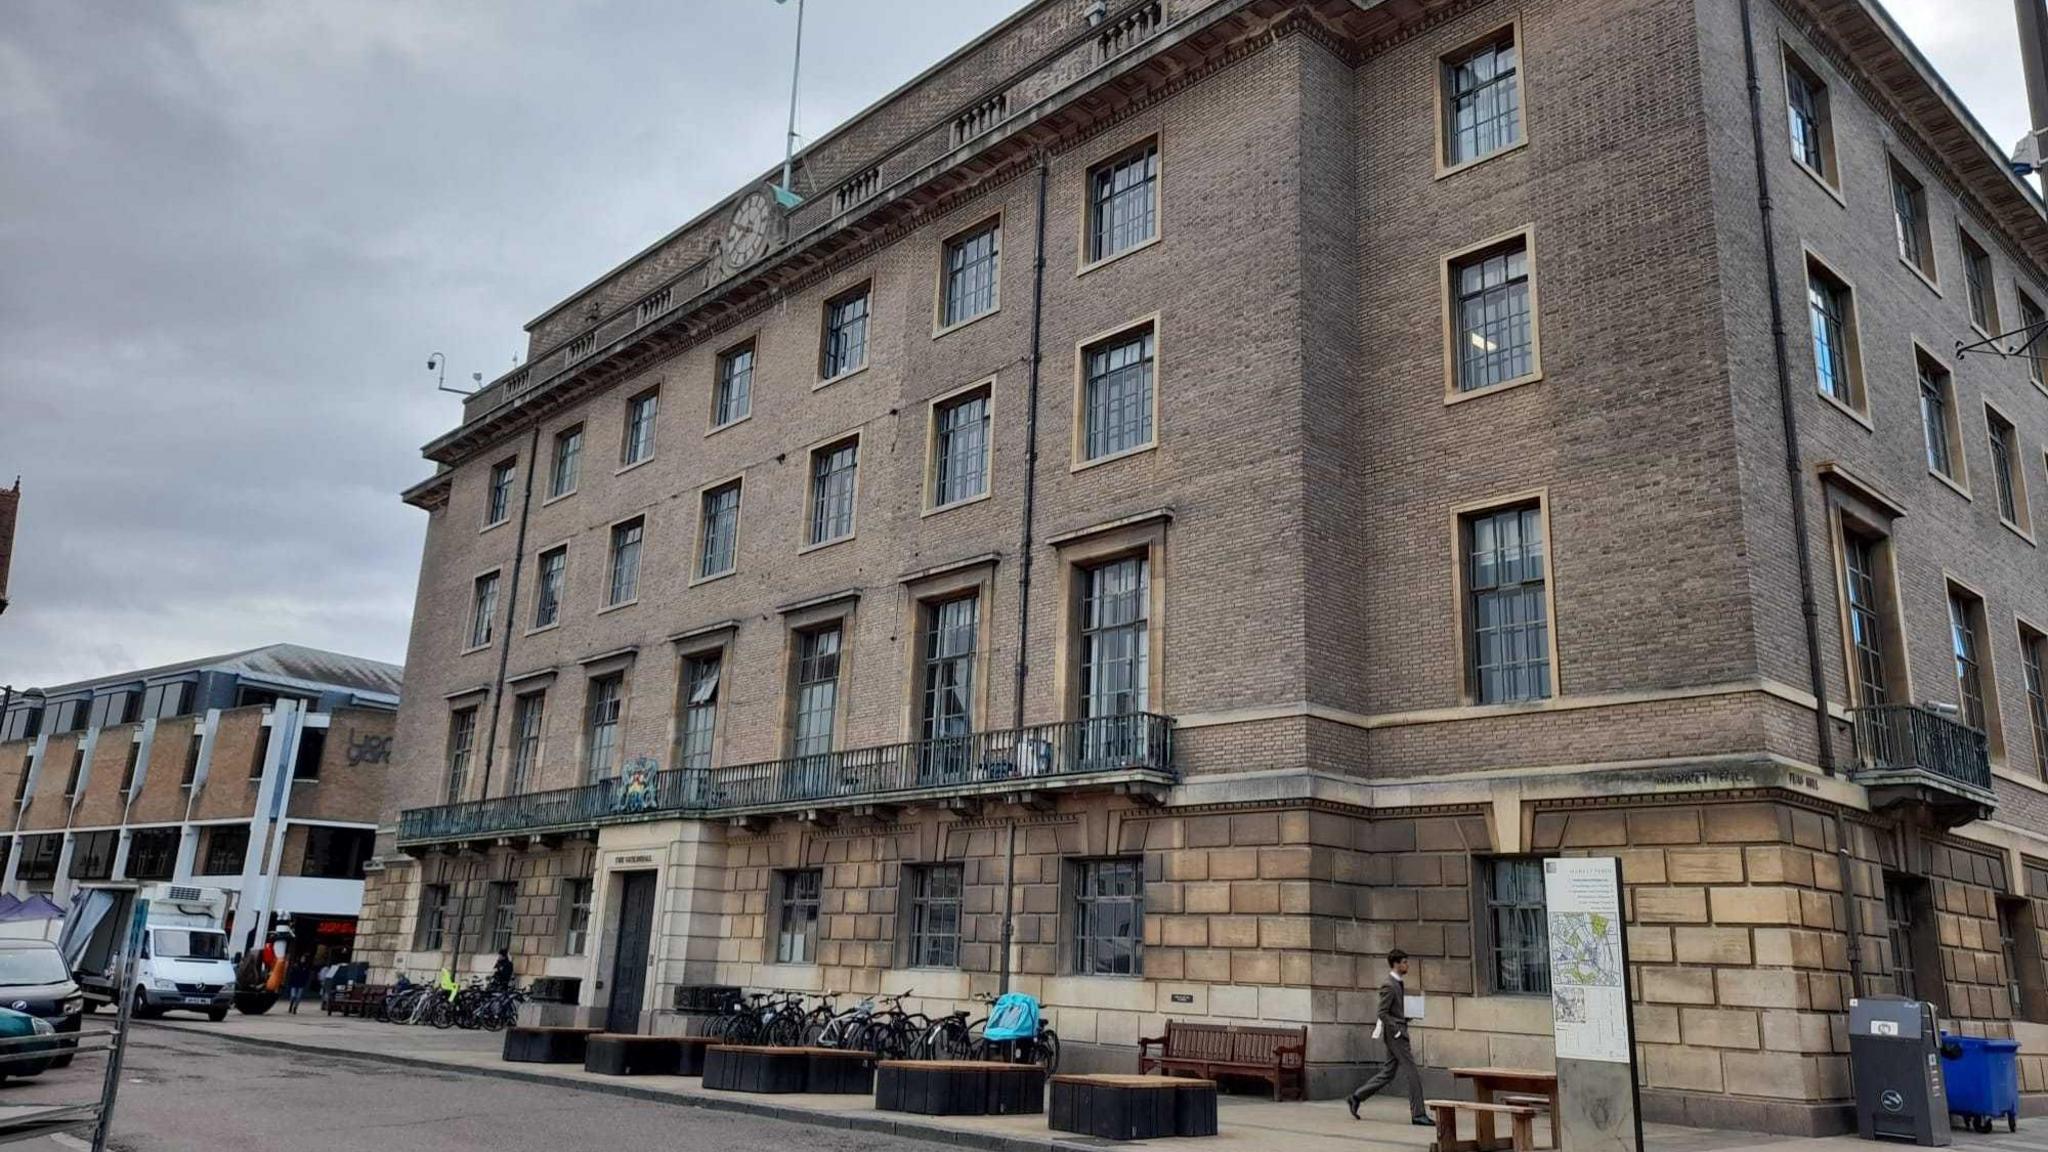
(1393, 1032)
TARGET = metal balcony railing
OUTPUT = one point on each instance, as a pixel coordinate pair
(1898, 738)
(1015, 759)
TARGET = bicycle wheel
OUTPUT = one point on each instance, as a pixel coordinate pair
(1046, 1052)
(785, 1029)
(443, 1013)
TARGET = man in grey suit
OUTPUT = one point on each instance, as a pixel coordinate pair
(1393, 1018)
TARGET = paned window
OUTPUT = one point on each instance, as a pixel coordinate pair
(498, 504)
(817, 690)
(1964, 612)
(1507, 605)
(960, 449)
(1909, 218)
(568, 460)
(1936, 421)
(625, 581)
(846, 333)
(1482, 100)
(1109, 917)
(834, 473)
(935, 916)
(700, 710)
(1806, 105)
(1517, 927)
(796, 931)
(547, 596)
(1495, 334)
(1117, 406)
(461, 750)
(970, 275)
(528, 711)
(576, 926)
(1123, 202)
(1831, 312)
(735, 393)
(2034, 665)
(719, 533)
(639, 439)
(483, 609)
(1977, 282)
(607, 700)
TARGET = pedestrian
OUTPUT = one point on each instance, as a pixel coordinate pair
(1392, 1031)
(296, 979)
(501, 972)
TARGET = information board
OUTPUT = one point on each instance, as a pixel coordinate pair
(1588, 992)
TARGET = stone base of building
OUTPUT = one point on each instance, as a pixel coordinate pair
(1749, 1113)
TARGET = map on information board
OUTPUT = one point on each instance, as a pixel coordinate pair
(1589, 1003)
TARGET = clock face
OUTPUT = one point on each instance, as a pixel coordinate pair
(746, 237)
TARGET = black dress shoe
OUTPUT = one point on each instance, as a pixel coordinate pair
(1422, 1120)
(1351, 1102)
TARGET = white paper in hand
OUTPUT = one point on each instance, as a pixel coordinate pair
(1411, 1007)
(1378, 1027)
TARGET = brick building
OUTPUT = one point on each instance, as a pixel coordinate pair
(10, 508)
(259, 772)
(1225, 487)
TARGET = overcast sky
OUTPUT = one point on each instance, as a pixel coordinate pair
(231, 232)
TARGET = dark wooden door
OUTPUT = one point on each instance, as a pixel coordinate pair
(629, 959)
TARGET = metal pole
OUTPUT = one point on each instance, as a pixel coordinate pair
(2033, 22)
(1009, 902)
(110, 1086)
(795, 69)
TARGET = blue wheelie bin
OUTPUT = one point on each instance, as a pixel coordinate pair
(1983, 1080)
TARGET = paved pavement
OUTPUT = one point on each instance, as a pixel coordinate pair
(348, 1085)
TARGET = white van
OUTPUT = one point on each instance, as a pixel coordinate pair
(184, 960)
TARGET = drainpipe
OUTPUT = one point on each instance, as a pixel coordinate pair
(1032, 362)
(511, 606)
(1788, 416)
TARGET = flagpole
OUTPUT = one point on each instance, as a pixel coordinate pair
(795, 69)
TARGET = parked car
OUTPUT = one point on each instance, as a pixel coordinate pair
(35, 982)
(14, 1024)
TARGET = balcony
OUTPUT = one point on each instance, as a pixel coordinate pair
(1906, 754)
(1133, 753)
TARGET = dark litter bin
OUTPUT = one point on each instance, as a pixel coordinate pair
(1983, 1080)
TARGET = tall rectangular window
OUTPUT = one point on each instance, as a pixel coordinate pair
(483, 609)
(970, 275)
(498, 503)
(1116, 401)
(1482, 99)
(461, 750)
(548, 586)
(1109, 917)
(2033, 666)
(960, 446)
(947, 708)
(2032, 335)
(1965, 626)
(935, 916)
(528, 712)
(700, 711)
(92, 854)
(1811, 121)
(846, 333)
(1915, 945)
(607, 700)
(433, 928)
(1492, 326)
(638, 444)
(1507, 606)
(335, 853)
(562, 479)
(504, 906)
(576, 917)
(1978, 285)
(625, 574)
(1832, 312)
(1937, 419)
(152, 853)
(1909, 219)
(1517, 927)
(834, 472)
(1123, 202)
(734, 396)
(796, 924)
(1116, 638)
(719, 532)
(1867, 615)
(817, 690)
(39, 856)
(2005, 464)
(227, 848)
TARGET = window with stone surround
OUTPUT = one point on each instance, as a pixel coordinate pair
(2033, 337)
(504, 905)
(960, 444)
(638, 442)
(1492, 315)
(817, 691)
(1872, 611)
(1115, 641)
(1123, 202)
(2034, 666)
(699, 711)
(1481, 96)
(718, 531)
(461, 750)
(431, 933)
(845, 335)
(733, 399)
(1515, 928)
(1811, 119)
(549, 585)
(568, 462)
(1831, 312)
(1976, 692)
(624, 586)
(2020, 945)
(1938, 418)
(1109, 917)
(935, 915)
(796, 915)
(1909, 220)
(607, 702)
(575, 915)
(834, 483)
(1506, 600)
(528, 711)
(483, 610)
(1915, 949)
(970, 275)
(498, 503)
(2008, 475)
(1979, 287)
(1118, 396)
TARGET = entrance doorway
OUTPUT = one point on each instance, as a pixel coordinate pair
(629, 959)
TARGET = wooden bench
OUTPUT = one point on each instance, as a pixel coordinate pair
(547, 1045)
(356, 999)
(1530, 1087)
(629, 1054)
(1211, 1050)
(690, 1057)
(748, 1068)
(959, 1088)
(1520, 1116)
(1133, 1107)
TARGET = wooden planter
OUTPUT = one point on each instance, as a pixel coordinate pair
(547, 1045)
(959, 1088)
(1133, 1107)
(755, 1069)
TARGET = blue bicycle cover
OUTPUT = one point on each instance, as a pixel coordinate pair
(1014, 1017)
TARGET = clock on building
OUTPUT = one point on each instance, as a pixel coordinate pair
(746, 234)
